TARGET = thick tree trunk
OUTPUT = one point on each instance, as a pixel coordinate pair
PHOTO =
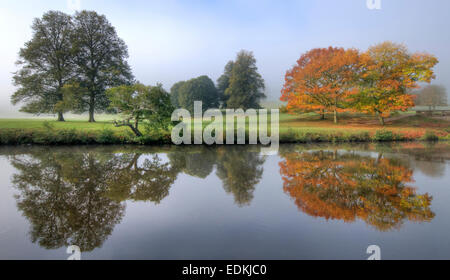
(335, 117)
(91, 116)
(91, 108)
(61, 117)
(322, 115)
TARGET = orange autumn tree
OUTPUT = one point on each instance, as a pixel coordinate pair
(387, 75)
(348, 186)
(322, 81)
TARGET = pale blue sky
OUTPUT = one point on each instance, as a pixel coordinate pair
(173, 40)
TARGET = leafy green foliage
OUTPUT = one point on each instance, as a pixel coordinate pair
(69, 63)
(246, 86)
(140, 103)
(224, 82)
(384, 135)
(46, 65)
(175, 92)
(100, 56)
(197, 89)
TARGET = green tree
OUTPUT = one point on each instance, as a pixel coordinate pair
(138, 103)
(101, 61)
(246, 86)
(46, 64)
(198, 89)
(224, 82)
(175, 92)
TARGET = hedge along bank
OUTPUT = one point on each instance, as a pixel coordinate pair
(213, 133)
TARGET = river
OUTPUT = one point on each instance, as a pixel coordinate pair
(229, 202)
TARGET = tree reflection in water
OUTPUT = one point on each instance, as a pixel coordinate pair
(240, 171)
(63, 197)
(350, 186)
(76, 195)
(76, 198)
(239, 168)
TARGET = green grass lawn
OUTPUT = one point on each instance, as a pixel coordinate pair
(39, 123)
(309, 122)
(292, 127)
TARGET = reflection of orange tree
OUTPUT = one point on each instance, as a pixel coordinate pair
(347, 187)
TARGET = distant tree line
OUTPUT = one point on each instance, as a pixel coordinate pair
(431, 96)
(239, 87)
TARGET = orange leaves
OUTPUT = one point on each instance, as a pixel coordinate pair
(377, 81)
(388, 73)
(349, 187)
(321, 80)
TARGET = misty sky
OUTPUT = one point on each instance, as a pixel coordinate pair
(169, 41)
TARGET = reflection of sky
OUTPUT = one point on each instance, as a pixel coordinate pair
(177, 40)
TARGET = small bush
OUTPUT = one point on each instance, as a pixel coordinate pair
(384, 135)
(106, 136)
(289, 137)
(363, 136)
(146, 140)
(66, 136)
(430, 136)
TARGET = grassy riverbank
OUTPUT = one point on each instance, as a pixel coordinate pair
(293, 129)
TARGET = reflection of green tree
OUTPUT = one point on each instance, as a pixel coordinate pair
(239, 168)
(346, 187)
(146, 181)
(62, 195)
(198, 162)
(240, 171)
(74, 198)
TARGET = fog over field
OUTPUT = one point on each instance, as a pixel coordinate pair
(171, 40)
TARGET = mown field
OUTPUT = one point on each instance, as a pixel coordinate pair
(293, 128)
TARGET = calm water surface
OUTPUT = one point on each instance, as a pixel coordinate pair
(306, 202)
